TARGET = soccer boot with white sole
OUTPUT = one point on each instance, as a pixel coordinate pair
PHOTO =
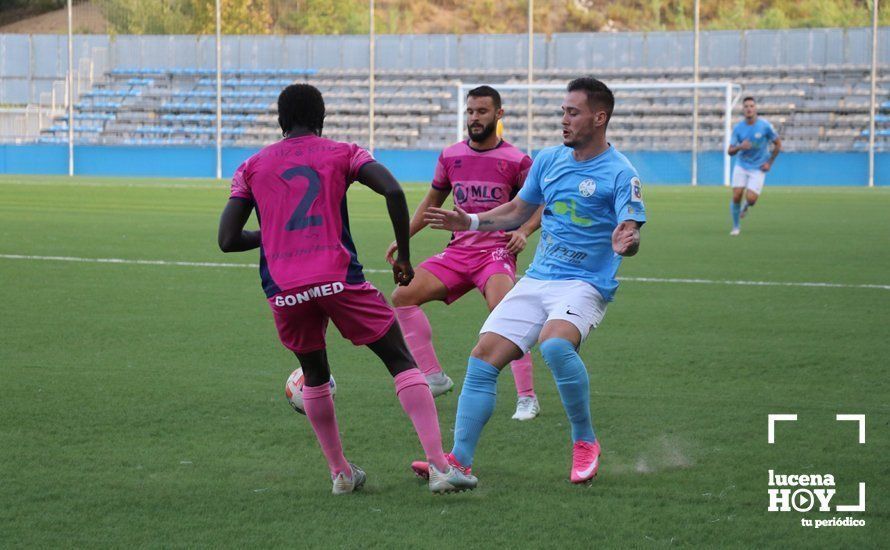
(735, 231)
(440, 383)
(344, 484)
(422, 469)
(451, 481)
(527, 408)
(585, 461)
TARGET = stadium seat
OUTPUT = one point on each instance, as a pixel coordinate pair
(823, 108)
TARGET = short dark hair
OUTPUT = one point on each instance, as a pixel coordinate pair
(749, 98)
(486, 91)
(301, 105)
(598, 94)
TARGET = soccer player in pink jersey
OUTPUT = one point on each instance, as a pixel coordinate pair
(482, 173)
(311, 274)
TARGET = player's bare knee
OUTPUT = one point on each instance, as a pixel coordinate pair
(396, 297)
(316, 370)
(402, 297)
(486, 353)
(393, 351)
(496, 350)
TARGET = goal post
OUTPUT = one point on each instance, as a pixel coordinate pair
(651, 124)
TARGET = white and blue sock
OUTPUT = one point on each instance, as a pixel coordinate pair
(573, 385)
(474, 408)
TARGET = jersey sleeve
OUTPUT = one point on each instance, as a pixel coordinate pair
(240, 186)
(358, 157)
(736, 138)
(524, 165)
(770, 133)
(531, 188)
(629, 198)
(441, 181)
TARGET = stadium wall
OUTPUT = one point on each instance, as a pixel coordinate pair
(800, 169)
(29, 64)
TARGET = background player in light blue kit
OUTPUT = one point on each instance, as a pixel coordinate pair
(751, 137)
(593, 209)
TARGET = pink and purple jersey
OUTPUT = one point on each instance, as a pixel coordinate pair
(298, 187)
(480, 181)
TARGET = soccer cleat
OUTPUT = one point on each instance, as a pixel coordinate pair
(422, 469)
(735, 231)
(439, 383)
(454, 480)
(585, 461)
(344, 484)
(527, 408)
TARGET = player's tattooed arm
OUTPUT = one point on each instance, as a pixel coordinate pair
(512, 214)
(381, 181)
(506, 216)
(231, 235)
(626, 238)
(777, 148)
(533, 223)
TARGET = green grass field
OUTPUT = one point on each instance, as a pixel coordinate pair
(143, 405)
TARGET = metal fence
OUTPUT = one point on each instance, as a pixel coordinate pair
(30, 64)
(42, 99)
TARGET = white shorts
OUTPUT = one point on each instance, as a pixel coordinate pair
(522, 313)
(750, 179)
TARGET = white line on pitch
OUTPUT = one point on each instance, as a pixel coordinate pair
(97, 183)
(748, 283)
(217, 185)
(124, 261)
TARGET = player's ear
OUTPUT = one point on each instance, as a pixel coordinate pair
(600, 118)
(499, 114)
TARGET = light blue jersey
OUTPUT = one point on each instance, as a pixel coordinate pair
(760, 134)
(584, 202)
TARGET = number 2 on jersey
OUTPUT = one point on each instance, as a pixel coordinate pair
(299, 220)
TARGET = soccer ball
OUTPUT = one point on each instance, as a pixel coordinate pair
(293, 389)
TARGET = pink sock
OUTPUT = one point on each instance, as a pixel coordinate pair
(522, 375)
(415, 397)
(319, 406)
(419, 337)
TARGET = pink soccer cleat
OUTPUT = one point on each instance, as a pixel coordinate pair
(422, 469)
(585, 461)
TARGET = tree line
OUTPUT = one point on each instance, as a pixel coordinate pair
(460, 16)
